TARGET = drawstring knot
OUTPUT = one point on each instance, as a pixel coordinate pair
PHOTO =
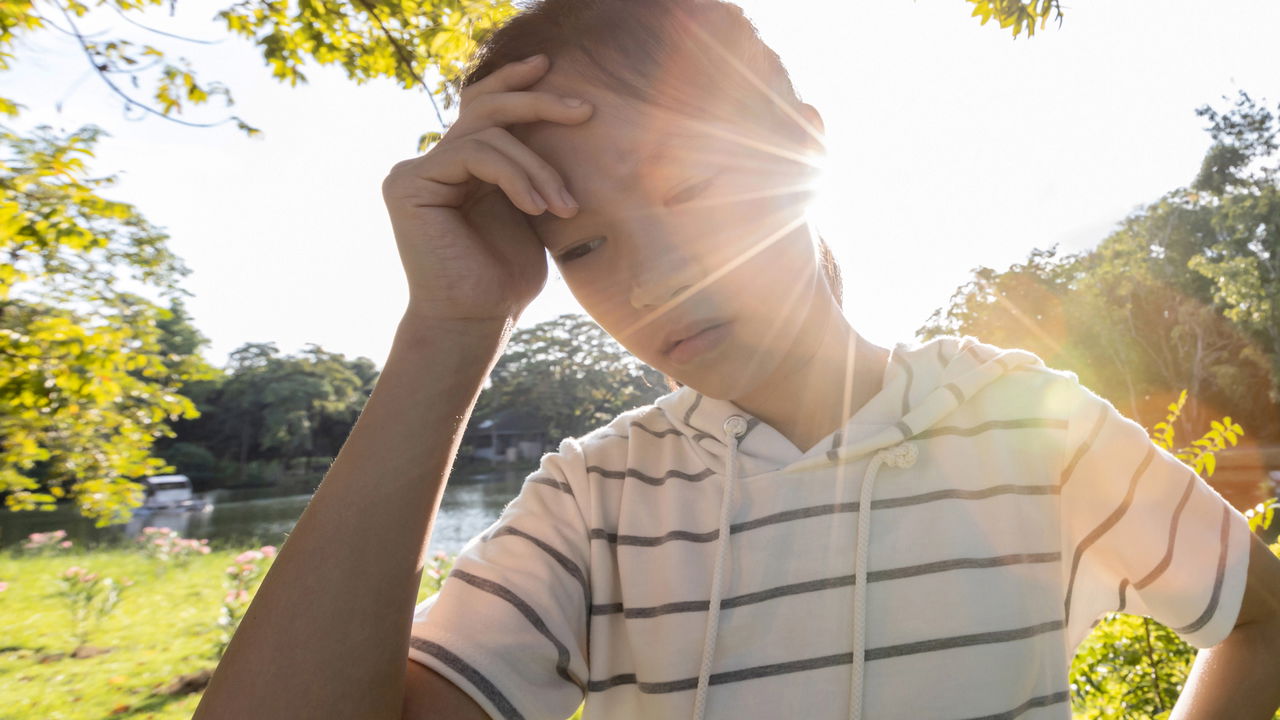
(902, 455)
(735, 426)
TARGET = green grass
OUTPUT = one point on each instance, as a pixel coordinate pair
(164, 626)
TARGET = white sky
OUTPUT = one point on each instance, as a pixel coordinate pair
(952, 145)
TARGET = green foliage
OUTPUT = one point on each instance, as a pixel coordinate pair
(570, 374)
(1173, 298)
(88, 373)
(266, 406)
(1018, 14)
(89, 597)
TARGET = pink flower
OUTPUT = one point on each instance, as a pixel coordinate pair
(268, 550)
(4, 586)
(65, 544)
(204, 550)
(248, 556)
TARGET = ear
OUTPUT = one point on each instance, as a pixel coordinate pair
(814, 118)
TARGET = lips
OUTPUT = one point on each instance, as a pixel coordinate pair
(688, 330)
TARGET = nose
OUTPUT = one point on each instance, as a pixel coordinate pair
(661, 271)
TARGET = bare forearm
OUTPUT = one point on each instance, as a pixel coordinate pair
(1237, 678)
(327, 633)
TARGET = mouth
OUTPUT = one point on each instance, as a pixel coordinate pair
(697, 342)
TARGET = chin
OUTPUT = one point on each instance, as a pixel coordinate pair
(727, 379)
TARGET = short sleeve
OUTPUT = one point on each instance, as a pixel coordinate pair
(1142, 533)
(509, 624)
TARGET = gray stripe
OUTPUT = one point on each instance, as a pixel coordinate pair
(1124, 585)
(1096, 533)
(839, 581)
(821, 510)
(561, 559)
(649, 479)
(656, 433)
(906, 391)
(1018, 424)
(905, 429)
(697, 399)
(1084, 447)
(833, 453)
(1036, 702)
(498, 590)
(752, 422)
(948, 643)
(1224, 539)
(1173, 534)
(473, 676)
(955, 391)
(700, 436)
(550, 482)
(825, 661)
(653, 541)
(981, 494)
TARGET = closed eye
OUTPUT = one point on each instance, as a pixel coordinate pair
(689, 192)
(580, 249)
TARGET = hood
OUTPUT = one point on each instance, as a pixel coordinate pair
(922, 385)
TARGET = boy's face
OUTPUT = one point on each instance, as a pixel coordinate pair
(682, 222)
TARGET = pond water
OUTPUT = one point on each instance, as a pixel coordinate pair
(470, 504)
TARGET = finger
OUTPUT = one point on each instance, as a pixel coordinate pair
(545, 178)
(509, 108)
(489, 164)
(512, 76)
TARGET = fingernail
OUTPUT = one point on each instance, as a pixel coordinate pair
(572, 102)
(537, 200)
(533, 58)
(567, 199)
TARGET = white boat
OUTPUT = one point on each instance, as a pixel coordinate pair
(171, 492)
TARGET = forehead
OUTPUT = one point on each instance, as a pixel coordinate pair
(622, 136)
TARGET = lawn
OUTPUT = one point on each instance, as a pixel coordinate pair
(164, 626)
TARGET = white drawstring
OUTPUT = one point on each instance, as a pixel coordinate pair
(734, 427)
(902, 455)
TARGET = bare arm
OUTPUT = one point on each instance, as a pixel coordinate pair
(327, 633)
(1237, 678)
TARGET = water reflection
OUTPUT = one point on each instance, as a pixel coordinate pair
(471, 503)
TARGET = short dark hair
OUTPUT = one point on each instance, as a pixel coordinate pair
(625, 45)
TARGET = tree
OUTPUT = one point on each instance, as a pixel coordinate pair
(1173, 298)
(86, 380)
(265, 406)
(91, 375)
(570, 374)
(1239, 182)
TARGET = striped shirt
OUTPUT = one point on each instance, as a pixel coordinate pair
(1032, 507)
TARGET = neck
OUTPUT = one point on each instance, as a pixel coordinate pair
(833, 373)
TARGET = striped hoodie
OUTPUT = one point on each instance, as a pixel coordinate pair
(938, 557)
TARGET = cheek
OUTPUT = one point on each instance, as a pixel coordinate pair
(602, 292)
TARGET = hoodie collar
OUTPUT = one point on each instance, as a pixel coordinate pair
(922, 384)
